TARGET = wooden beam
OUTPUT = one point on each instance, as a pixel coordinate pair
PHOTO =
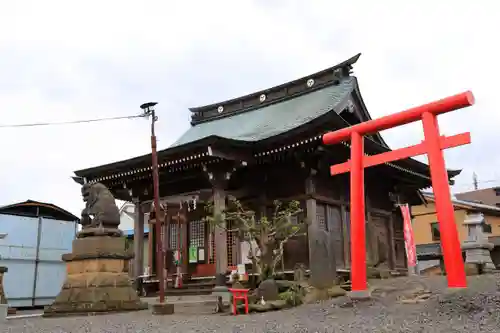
(403, 153)
(231, 154)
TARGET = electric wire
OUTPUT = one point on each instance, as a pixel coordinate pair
(70, 122)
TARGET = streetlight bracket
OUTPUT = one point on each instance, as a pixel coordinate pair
(148, 108)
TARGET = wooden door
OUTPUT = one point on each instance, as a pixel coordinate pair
(380, 244)
(334, 223)
(399, 242)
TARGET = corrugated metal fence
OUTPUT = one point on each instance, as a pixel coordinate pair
(31, 248)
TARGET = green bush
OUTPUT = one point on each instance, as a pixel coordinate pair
(293, 296)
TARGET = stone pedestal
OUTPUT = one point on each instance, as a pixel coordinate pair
(477, 247)
(97, 280)
(321, 259)
(163, 309)
(221, 292)
(361, 295)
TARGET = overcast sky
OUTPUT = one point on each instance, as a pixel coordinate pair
(71, 60)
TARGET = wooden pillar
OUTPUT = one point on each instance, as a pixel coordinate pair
(138, 239)
(219, 177)
(151, 248)
(220, 231)
(392, 243)
(321, 254)
(346, 235)
(312, 225)
(184, 230)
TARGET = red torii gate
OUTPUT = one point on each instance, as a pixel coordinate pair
(432, 146)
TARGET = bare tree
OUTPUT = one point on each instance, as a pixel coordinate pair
(266, 236)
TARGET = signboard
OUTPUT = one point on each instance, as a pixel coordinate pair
(193, 254)
(411, 253)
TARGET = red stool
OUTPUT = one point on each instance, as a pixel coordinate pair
(239, 294)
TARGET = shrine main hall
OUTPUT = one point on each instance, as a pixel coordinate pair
(259, 148)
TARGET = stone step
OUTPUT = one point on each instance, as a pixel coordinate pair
(203, 304)
(200, 307)
(190, 298)
(188, 291)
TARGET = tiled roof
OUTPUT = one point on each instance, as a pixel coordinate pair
(274, 119)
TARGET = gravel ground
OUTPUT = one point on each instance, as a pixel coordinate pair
(476, 309)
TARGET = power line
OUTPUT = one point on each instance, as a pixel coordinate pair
(479, 182)
(70, 122)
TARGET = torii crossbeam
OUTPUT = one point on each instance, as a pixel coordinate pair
(432, 146)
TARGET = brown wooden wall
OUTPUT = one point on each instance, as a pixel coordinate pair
(258, 188)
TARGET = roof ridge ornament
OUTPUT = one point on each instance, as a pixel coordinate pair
(324, 78)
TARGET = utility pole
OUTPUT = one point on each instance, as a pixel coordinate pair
(148, 109)
(474, 181)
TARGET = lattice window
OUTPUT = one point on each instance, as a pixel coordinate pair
(211, 241)
(231, 245)
(197, 233)
(321, 217)
(173, 235)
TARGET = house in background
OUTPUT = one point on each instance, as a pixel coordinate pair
(127, 216)
(428, 237)
(489, 196)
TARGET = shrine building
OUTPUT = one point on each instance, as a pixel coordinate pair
(258, 148)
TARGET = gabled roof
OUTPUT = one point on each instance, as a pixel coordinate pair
(273, 119)
(315, 103)
(248, 119)
(30, 206)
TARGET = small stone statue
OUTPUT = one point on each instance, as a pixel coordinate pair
(300, 273)
(100, 215)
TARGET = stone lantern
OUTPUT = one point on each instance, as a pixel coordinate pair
(477, 246)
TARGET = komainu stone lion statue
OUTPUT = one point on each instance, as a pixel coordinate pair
(100, 210)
